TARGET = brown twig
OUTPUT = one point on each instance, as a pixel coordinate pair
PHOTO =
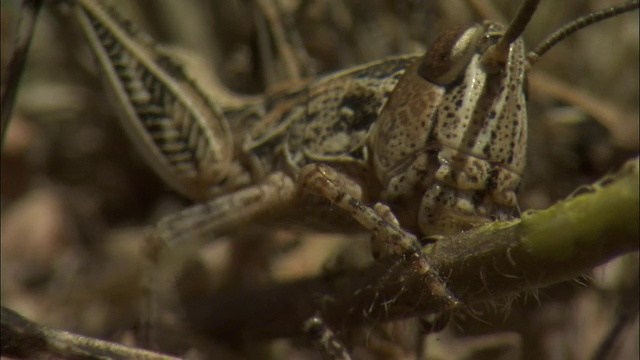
(29, 14)
(24, 339)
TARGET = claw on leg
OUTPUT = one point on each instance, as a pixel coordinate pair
(389, 240)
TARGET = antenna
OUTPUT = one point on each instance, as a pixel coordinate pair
(576, 25)
(498, 54)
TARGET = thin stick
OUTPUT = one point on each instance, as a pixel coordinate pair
(26, 25)
(24, 339)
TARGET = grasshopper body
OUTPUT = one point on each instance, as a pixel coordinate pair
(457, 147)
(447, 150)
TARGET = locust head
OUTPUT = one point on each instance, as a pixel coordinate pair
(449, 145)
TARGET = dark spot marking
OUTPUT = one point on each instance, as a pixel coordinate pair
(487, 148)
(363, 113)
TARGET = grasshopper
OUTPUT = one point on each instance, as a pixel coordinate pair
(410, 147)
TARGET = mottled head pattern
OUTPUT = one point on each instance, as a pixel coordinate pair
(454, 130)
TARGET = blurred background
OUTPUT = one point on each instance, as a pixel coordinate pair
(76, 197)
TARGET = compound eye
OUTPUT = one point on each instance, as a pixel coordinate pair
(448, 57)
